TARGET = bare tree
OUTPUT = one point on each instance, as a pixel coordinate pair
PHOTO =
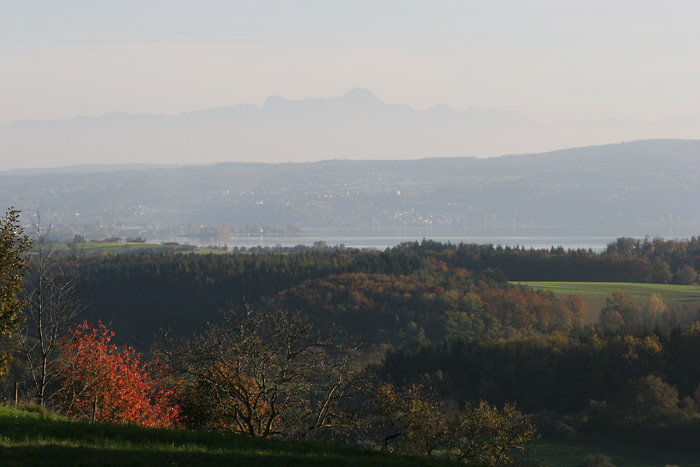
(266, 372)
(53, 302)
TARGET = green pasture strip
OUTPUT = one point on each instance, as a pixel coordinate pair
(95, 248)
(676, 293)
(214, 251)
(685, 298)
(570, 454)
(33, 438)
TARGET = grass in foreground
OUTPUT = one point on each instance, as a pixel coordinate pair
(32, 438)
(570, 454)
(683, 297)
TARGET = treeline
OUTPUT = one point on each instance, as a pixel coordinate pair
(642, 388)
(137, 294)
(398, 296)
(560, 373)
(625, 260)
(431, 305)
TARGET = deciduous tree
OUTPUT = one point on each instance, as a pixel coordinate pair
(417, 422)
(647, 397)
(14, 246)
(265, 372)
(487, 435)
(620, 313)
(53, 302)
(104, 384)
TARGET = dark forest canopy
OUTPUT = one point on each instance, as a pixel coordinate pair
(643, 388)
(424, 290)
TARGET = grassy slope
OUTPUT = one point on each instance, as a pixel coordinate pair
(683, 297)
(569, 454)
(29, 438)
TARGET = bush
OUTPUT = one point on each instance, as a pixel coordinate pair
(596, 460)
(101, 383)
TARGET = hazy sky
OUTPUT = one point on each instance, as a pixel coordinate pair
(550, 60)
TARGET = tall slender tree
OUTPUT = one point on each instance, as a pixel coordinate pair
(53, 303)
(14, 246)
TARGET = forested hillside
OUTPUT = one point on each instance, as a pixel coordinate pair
(413, 288)
(419, 329)
(637, 188)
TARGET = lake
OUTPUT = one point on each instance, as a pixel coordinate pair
(382, 238)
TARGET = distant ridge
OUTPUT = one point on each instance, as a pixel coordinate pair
(357, 125)
(618, 155)
(636, 188)
(86, 168)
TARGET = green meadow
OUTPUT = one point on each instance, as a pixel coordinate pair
(570, 454)
(97, 248)
(686, 298)
(34, 437)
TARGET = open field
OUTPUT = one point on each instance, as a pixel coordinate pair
(101, 248)
(686, 298)
(569, 454)
(32, 438)
(97, 248)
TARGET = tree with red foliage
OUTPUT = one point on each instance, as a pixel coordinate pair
(105, 384)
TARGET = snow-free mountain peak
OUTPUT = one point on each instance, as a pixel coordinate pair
(362, 95)
(355, 125)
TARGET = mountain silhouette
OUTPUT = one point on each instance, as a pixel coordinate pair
(356, 125)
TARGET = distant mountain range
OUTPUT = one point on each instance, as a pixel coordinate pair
(357, 125)
(649, 187)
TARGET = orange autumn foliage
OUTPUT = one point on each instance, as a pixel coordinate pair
(104, 384)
